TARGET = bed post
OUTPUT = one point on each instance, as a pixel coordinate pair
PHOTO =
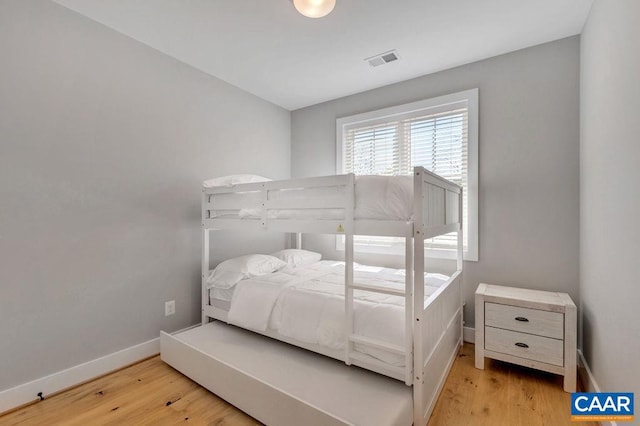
(408, 310)
(205, 257)
(459, 263)
(348, 264)
(418, 296)
(460, 246)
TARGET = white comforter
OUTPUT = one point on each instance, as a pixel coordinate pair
(307, 304)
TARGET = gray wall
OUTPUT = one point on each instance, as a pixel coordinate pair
(103, 145)
(609, 194)
(528, 154)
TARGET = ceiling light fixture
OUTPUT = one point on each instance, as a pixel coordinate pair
(314, 8)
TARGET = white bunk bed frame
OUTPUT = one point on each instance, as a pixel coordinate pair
(433, 328)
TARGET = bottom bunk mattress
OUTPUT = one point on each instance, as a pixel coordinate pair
(306, 304)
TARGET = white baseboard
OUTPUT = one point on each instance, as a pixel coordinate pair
(587, 377)
(469, 334)
(588, 381)
(28, 392)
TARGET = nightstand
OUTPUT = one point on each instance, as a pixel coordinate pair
(533, 328)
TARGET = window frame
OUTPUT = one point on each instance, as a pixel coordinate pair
(471, 97)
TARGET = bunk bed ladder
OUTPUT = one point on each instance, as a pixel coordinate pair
(352, 338)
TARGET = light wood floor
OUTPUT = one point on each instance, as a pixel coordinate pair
(501, 394)
(152, 393)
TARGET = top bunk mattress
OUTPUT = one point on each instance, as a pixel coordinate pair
(376, 198)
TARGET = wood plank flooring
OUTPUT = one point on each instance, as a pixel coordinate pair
(148, 393)
(501, 394)
(152, 393)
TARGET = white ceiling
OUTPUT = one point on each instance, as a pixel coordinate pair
(266, 48)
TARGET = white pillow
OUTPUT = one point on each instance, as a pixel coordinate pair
(224, 279)
(229, 272)
(297, 257)
(233, 180)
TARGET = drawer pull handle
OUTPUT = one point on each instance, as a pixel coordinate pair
(522, 319)
(522, 345)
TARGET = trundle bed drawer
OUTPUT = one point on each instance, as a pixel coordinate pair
(524, 345)
(279, 384)
(532, 321)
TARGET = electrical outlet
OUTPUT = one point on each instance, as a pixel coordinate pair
(169, 308)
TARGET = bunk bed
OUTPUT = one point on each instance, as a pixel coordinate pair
(414, 208)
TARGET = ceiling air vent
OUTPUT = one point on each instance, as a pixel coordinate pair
(383, 58)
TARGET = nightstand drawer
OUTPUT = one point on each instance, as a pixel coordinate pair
(532, 321)
(528, 346)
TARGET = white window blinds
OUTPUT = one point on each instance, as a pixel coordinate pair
(435, 137)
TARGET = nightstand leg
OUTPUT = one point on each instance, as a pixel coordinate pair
(480, 330)
(570, 341)
(570, 381)
(479, 357)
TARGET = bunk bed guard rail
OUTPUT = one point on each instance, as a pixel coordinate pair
(284, 205)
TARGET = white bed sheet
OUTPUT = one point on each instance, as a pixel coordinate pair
(224, 294)
(307, 304)
(376, 198)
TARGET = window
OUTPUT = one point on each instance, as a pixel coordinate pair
(439, 134)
